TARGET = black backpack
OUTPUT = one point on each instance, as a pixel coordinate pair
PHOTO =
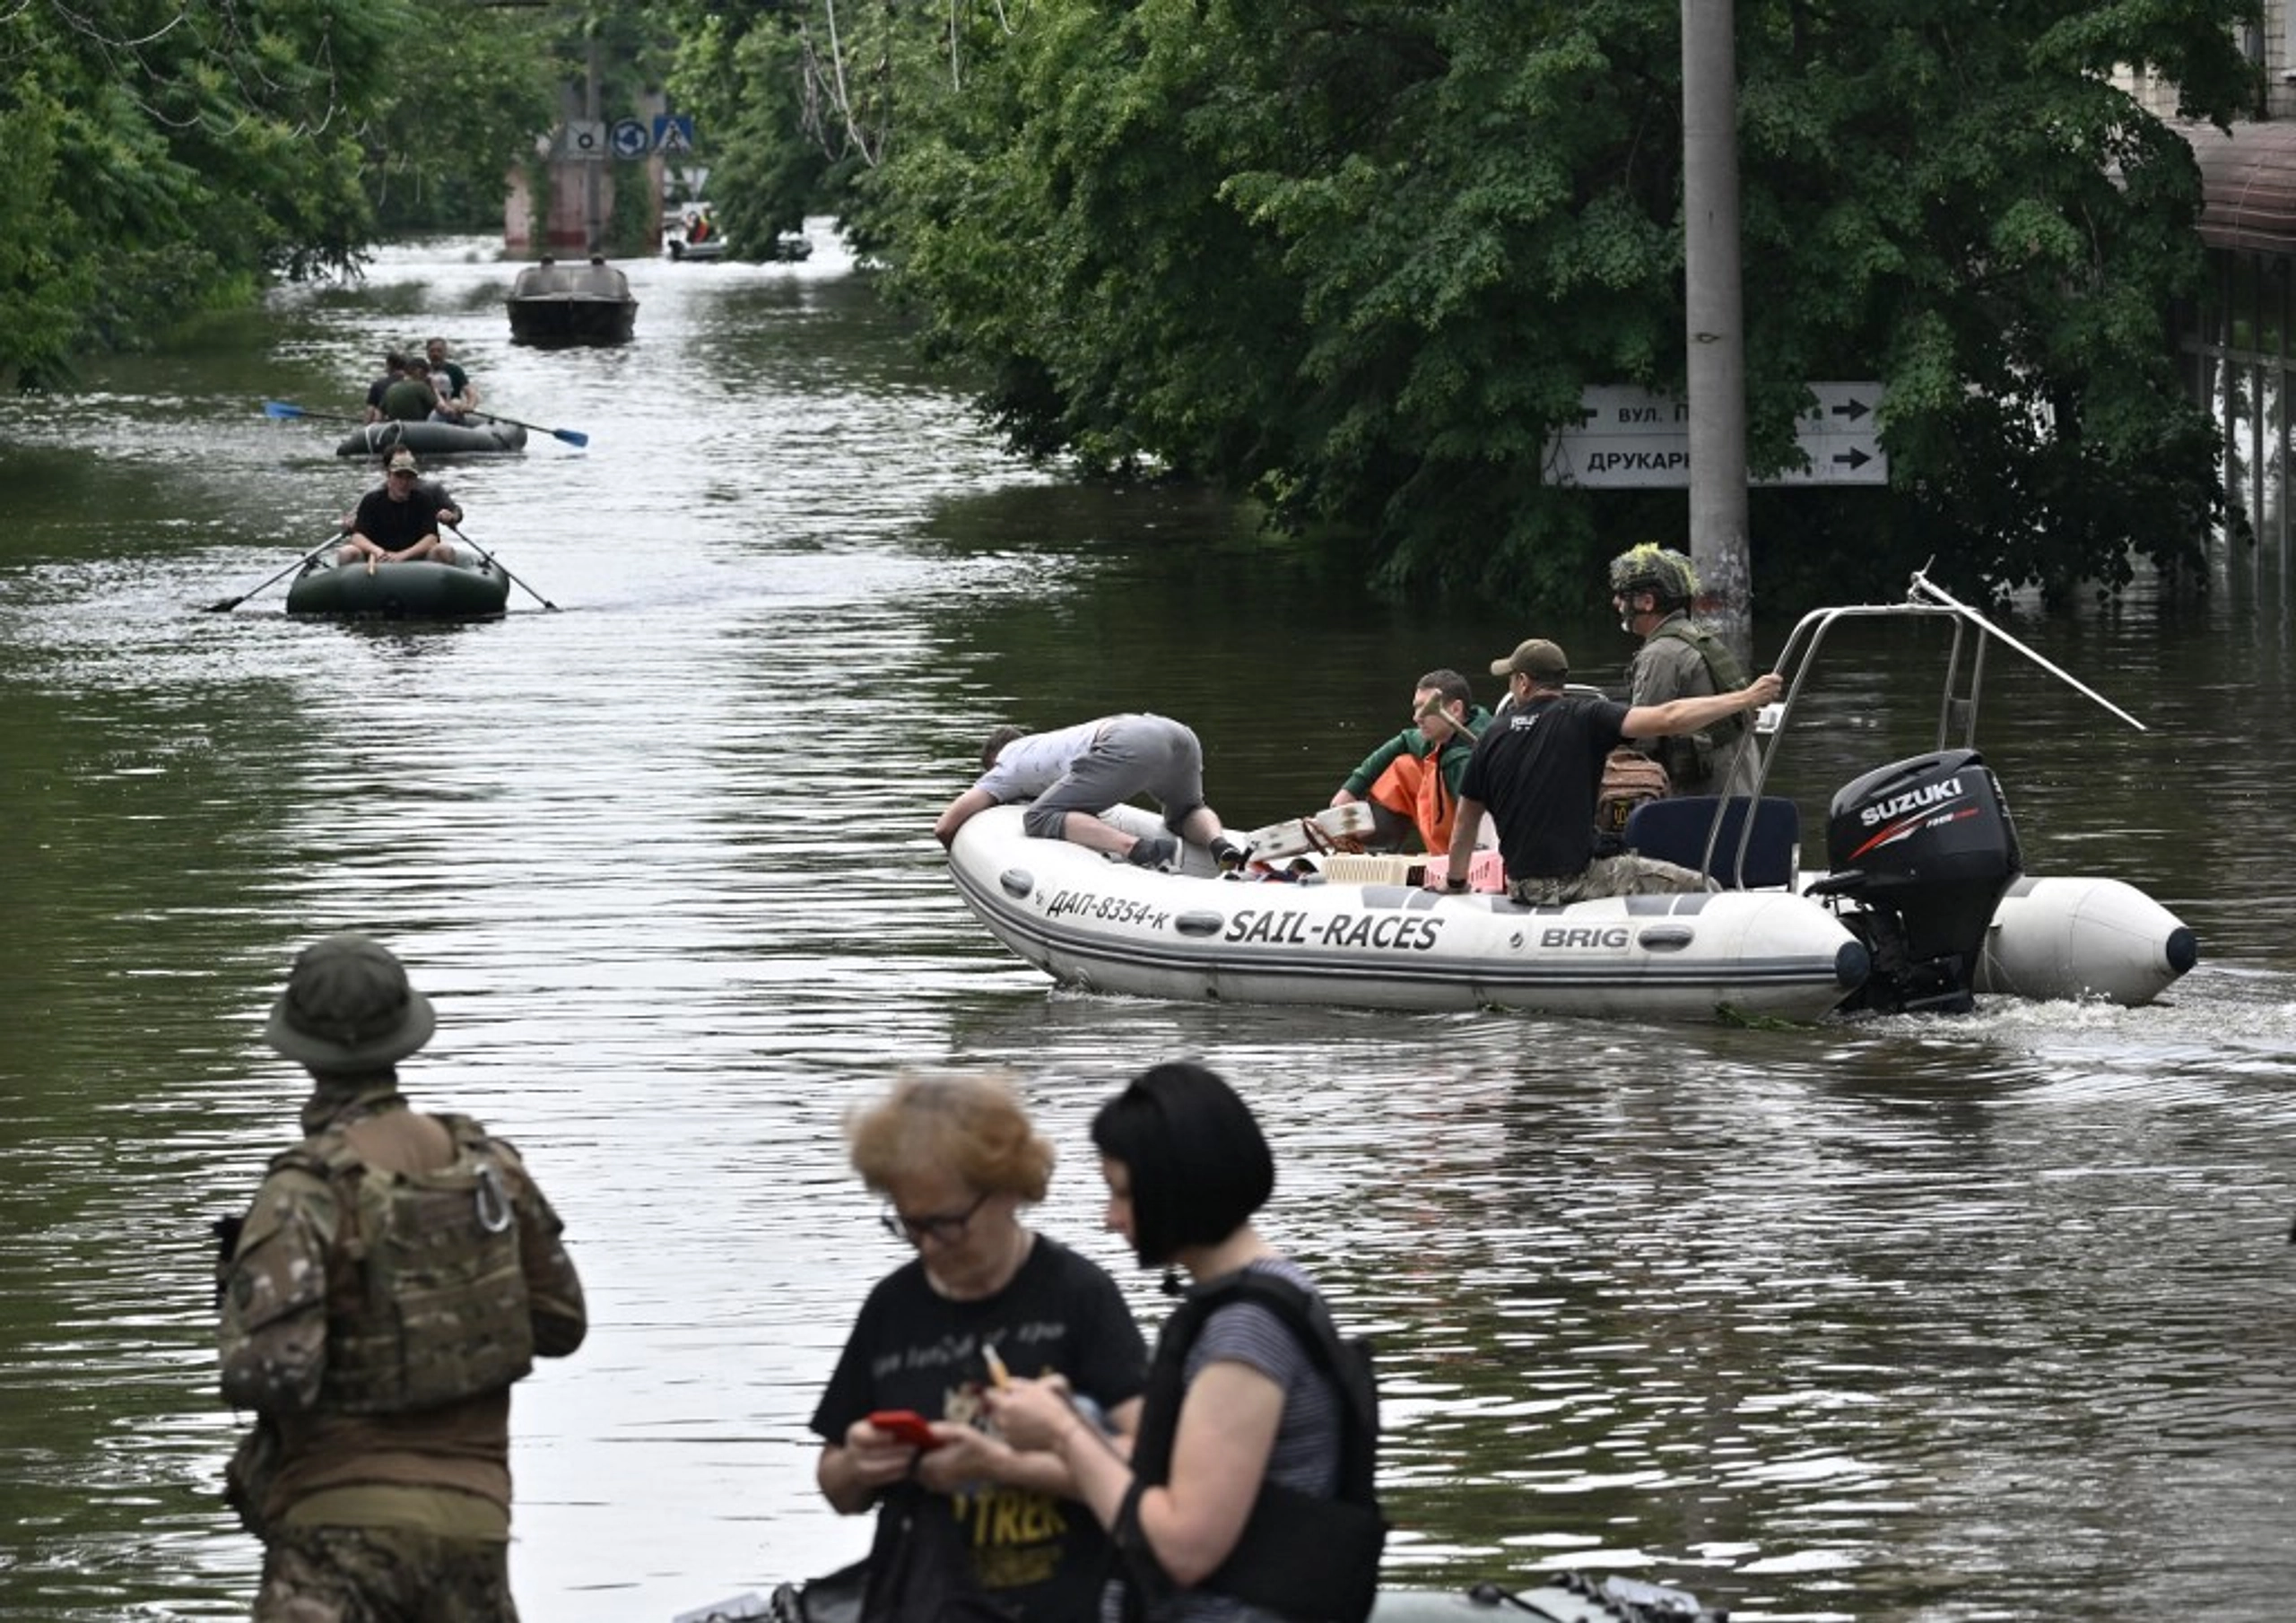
(1305, 1556)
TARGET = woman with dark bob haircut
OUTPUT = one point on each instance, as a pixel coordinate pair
(1255, 1413)
(1200, 1165)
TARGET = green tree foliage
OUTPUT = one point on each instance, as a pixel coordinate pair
(745, 73)
(168, 156)
(469, 89)
(1361, 257)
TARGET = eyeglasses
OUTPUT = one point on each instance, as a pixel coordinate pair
(945, 1227)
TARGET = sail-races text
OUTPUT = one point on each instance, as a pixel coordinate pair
(1285, 928)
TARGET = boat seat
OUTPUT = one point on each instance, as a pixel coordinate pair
(1676, 829)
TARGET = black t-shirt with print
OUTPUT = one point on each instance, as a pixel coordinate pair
(1539, 770)
(912, 1348)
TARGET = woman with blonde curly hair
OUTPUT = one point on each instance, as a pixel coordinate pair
(957, 1159)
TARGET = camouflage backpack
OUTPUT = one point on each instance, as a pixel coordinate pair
(426, 1297)
(1629, 777)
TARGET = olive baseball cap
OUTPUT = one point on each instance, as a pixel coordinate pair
(348, 1008)
(1537, 658)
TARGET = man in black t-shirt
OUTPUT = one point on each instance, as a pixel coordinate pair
(1538, 770)
(399, 522)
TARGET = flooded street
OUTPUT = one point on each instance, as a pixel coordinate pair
(1901, 1320)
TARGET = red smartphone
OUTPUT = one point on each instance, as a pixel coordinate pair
(908, 1425)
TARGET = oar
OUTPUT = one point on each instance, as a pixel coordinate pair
(574, 437)
(229, 603)
(496, 563)
(280, 408)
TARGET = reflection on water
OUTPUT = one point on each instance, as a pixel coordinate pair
(1903, 1320)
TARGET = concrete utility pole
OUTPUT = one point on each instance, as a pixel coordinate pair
(1716, 312)
(592, 221)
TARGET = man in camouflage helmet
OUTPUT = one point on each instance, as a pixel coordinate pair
(397, 1273)
(1652, 588)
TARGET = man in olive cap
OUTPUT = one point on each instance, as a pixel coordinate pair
(1652, 590)
(1538, 770)
(397, 1273)
(398, 521)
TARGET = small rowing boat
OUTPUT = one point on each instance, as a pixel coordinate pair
(418, 589)
(434, 439)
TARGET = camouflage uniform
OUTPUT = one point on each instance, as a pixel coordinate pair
(1625, 874)
(382, 1575)
(374, 1508)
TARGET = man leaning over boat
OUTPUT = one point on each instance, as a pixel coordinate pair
(1072, 774)
(1538, 770)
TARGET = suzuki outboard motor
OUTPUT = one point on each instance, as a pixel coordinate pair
(1922, 852)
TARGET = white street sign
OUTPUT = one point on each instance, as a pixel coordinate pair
(586, 138)
(1633, 437)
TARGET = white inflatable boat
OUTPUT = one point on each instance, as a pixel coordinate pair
(1924, 904)
(1104, 925)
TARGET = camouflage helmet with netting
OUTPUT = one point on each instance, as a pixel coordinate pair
(1651, 568)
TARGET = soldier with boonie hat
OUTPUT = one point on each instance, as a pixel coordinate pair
(397, 1273)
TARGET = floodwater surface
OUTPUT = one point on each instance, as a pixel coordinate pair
(1974, 1319)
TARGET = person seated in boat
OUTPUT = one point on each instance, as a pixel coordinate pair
(1411, 781)
(1251, 1490)
(1652, 591)
(457, 395)
(1538, 771)
(451, 511)
(698, 228)
(412, 399)
(398, 522)
(971, 1527)
(394, 368)
(1071, 775)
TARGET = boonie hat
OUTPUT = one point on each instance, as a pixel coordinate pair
(348, 1008)
(1537, 657)
(400, 461)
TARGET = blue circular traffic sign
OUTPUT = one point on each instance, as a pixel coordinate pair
(631, 138)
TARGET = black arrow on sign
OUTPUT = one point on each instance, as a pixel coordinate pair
(1855, 459)
(1853, 411)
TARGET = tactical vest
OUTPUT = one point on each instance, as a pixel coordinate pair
(1305, 1556)
(426, 1299)
(1722, 669)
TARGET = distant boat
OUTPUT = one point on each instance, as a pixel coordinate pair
(434, 439)
(788, 247)
(559, 304)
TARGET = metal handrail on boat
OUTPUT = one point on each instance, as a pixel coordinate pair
(1925, 599)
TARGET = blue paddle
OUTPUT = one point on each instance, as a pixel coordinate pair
(573, 437)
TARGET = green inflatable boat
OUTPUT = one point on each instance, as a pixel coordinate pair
(417, 590)
(488, 438)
